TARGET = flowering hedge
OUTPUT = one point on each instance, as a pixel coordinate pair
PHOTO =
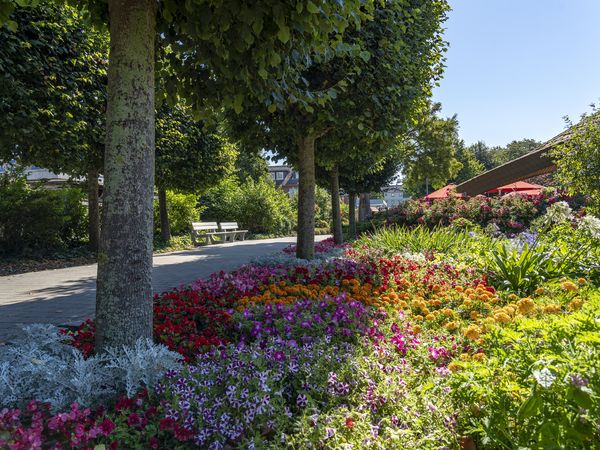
(509, 213)
(358, 351)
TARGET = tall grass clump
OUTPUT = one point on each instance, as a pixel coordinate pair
(440, 240)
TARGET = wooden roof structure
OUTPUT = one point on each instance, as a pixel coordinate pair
(530, 165)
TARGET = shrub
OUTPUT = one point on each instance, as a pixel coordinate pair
(183, 209)
(258, 206)
(37, 220)
(263, 208)
(510, 213)
(41, 366)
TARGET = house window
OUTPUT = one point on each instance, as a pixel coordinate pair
(279, 176)
(272, 175)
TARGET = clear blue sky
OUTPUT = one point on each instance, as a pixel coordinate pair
(516, 67)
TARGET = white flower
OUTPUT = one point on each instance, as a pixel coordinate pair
(558, 212)
(591, 225)
(544, 377)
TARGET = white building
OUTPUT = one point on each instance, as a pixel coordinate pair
(394, 195)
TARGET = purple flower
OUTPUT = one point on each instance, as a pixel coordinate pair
(301, 400)
(578, 381)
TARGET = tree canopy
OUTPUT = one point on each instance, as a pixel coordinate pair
(578, 159)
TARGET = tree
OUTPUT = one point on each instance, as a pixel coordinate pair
(513, 150)
(250, 165)
(54, 68)
(578, 158)
(428, 151)
(188, 158)
(470, 166)
(482, 154)
(368, 89)
(210, 63)
(381, 175)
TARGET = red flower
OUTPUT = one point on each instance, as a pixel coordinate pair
(349, 423)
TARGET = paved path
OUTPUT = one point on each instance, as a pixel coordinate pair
(68, 295)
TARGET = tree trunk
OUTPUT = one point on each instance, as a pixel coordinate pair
(305, 245)
(364, 208)
(336, 213)
(124, 287)
(93, 209)
(352, 215)
(165, 227)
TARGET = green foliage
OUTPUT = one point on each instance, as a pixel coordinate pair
(578, 159)
(322, 208)
(470, 166)
(513, 150)
(263, 208)
(38, 221)
(250, 165)
(428, 151)
(256, 55)
(258, 206)
(188, 158)
(221, 201)
(183, 210)
(520, 270)
(538, 386)
(53, 89)
(419, 239)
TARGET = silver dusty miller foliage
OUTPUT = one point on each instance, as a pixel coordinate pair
(41, 366)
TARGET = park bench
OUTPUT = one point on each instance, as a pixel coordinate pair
(206, 230)
(233, 231)
(226, 232)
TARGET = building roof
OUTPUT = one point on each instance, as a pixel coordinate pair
(527, 166)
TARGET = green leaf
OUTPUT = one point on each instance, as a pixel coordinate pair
(237, 103)
(272, 107)
(365, 55)
(312, 8)
(530, 408)
(284, 33)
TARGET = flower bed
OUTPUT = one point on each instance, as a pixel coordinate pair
(510, 214)
(356, 351)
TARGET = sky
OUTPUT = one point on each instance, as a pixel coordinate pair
(515, 68)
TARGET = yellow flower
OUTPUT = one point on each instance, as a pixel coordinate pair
(448, 312)
(552, 309)
(540, 291)
(582, 281)
(474, 315)
(479, 356)
(464, 356)
(501, 317)
(513, 297)
(472, 332)
(450, 326)
(526, 305)
(568, 286)
(419, 317)
(576, 303)
(430, 317)
(453, 367)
